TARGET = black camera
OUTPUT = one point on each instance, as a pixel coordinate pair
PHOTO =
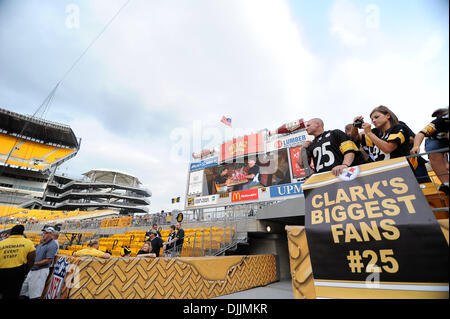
(358, 123)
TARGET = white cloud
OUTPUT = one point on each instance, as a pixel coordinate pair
(347, 23)
(239, 58)
(405, 83)
(432, 47)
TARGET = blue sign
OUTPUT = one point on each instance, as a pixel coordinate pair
(286, 190)
(57, 281)
(205, 163)
(61, 267)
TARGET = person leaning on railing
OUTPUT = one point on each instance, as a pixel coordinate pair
(92, 250)
(178, 240)
(437, 133)
(169, 248)
(145, 251)
(331, 150)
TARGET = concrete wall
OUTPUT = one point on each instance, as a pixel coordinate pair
(275, 244)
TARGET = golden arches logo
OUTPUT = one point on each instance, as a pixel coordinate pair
(236, 196)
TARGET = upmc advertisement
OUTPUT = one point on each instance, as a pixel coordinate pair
(373, 219)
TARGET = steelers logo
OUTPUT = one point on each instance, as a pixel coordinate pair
(349, 174)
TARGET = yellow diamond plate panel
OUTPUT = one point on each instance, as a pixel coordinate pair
(145, 278)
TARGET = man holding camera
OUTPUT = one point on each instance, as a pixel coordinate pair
(330, 150)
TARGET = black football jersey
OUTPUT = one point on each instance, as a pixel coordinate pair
(395, 134)
(328, 149)
(438, 128)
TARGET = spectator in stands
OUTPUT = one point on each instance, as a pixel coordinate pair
(155, 228)
(34, 283)
(348, 130)
(15, 263)
(416, 163)
(145, 251)
(55, 236)
(330, 150)
(387, 140)
(92, 250)
(178, 240)
(169, 248)
(437, 133)
(156, 243)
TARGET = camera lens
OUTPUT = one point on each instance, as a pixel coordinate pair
(358, 123)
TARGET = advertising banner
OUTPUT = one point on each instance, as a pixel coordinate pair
(297, 171)
(57, 280)
(205, 200)
(286, 190)
(241, 146)
(240, 196)
(116, 222)
(204, 163)
(373, 224)
(275, 143)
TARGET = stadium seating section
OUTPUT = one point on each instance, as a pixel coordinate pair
(213, 239)
(30, 154)
(38, 215)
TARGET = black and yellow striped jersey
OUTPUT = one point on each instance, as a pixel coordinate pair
(328, 149)
(395, 134)
(438, 128)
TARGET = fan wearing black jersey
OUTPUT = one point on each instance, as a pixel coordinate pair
(388, 139)
(330, 150)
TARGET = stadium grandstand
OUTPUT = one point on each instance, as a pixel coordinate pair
(30, 149)
(98, 189)
(9, 216)
(234, 239)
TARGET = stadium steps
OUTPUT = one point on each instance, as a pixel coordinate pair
(30, 203)
(230, 247)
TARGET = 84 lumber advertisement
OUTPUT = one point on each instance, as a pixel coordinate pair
(373, 224)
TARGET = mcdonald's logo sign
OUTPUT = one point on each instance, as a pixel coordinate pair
(241, 196)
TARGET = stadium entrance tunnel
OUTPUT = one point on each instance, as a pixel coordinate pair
(267, 235)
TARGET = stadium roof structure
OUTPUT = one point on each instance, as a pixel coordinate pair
(31, 143)
(99, 189)
(112, 176)
(46, 131)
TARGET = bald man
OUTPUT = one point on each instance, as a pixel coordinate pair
(330, 150)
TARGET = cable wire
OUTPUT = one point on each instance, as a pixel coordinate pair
(45, 105)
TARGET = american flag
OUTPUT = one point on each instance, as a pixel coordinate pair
(226, 121)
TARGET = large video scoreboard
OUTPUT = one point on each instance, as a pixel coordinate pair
(248, 169)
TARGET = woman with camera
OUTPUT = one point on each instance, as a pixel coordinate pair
(388, 139)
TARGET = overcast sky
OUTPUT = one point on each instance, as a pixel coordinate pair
(153, 88)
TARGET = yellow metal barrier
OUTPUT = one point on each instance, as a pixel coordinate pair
(162, 278)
